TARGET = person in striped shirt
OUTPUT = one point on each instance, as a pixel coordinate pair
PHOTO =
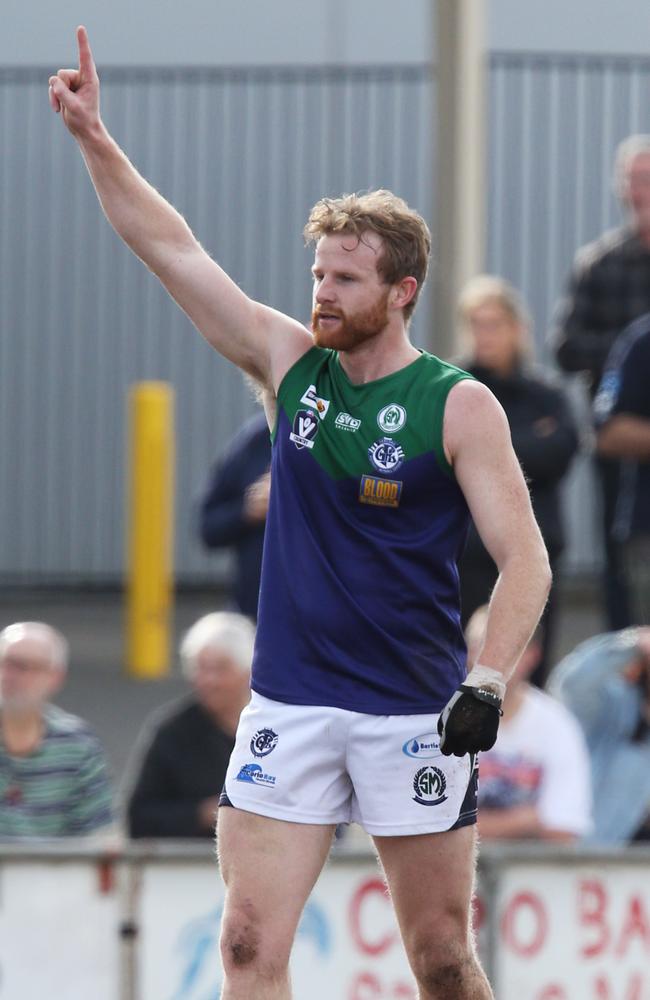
(53, 775)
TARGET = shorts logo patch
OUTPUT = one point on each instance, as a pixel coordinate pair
(305, 429)
(344, 422)
(392, 418)
(253, 774)
(427, 745)
(263, 742)
(429, 785)
(386, 455)
(309, 398)
(380, 492)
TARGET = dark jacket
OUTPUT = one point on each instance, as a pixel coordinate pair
(528, 397)
(221, 518)
(609, 287)
(184, 763)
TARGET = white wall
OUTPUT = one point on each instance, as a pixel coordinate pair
(227, 32)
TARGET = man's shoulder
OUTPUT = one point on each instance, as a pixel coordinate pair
(609, 245)
(69, 730)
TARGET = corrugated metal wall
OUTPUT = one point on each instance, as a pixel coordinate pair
(243, 154)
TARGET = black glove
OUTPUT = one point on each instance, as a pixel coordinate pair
(469, 721)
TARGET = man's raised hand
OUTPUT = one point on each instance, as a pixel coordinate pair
(75, 92)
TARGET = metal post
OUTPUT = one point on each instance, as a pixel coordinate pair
(459, 242)
(149, 559)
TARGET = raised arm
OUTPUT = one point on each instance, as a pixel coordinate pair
(262, 341)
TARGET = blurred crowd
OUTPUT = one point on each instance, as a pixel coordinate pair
(569, 731)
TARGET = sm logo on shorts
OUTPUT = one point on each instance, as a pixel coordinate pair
(380, 492)
(429, 785)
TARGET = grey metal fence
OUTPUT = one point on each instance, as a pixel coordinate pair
(244, 153)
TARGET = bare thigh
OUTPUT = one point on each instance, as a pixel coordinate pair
(269, 867)
(431, 880)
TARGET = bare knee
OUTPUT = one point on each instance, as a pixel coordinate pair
(447, 968)
(246, 945)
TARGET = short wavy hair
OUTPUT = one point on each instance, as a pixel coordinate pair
(404, 233)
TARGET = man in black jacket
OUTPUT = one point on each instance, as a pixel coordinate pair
(609, 287)
(181, 769)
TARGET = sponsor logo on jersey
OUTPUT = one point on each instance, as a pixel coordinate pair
(347, 423)
(253, 774)
(309, 398)
(429, 785)
(263, 742)
(380, 492)
(427, 745)
(305, 429)
(391, 418)
(386, 455)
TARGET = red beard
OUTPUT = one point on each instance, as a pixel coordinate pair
(351, 330)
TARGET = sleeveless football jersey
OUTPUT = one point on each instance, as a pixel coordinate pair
(359, 603)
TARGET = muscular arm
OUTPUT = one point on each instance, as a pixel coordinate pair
(477, 442)
(258, 339)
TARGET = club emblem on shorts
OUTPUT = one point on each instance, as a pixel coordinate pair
(309, 398)
(253, 774)
(386, 455)
(392, 418)
(427, 745)
(263, 742)
(305, 429)
(380, 492)
(429, 785)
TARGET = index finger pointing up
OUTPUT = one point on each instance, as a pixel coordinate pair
(86, 61)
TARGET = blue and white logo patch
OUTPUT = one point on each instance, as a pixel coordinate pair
(305, 429)
(253, 774)
(263, 742)
(386, 455)
(427, 745)
(429, 785)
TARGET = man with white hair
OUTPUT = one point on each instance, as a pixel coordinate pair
(181, 769)
(53, 774)
(608, 289)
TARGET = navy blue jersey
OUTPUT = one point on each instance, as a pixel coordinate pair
(359, 602)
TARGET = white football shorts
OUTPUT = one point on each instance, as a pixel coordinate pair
(312, 764)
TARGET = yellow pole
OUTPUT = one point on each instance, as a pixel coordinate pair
(150, 529)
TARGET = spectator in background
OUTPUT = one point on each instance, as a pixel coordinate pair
(622, 414)
(233, 510)
(609, 287)
(497, 325)
(605, 682)
(181, 770)
(53, 774)
(535, 782)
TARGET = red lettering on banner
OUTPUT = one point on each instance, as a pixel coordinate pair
(592, 907)
(635, 925)
(524, 903)
(602, 989)
(367, 889)
(553, 992)
(367, 986)
(633, 990)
